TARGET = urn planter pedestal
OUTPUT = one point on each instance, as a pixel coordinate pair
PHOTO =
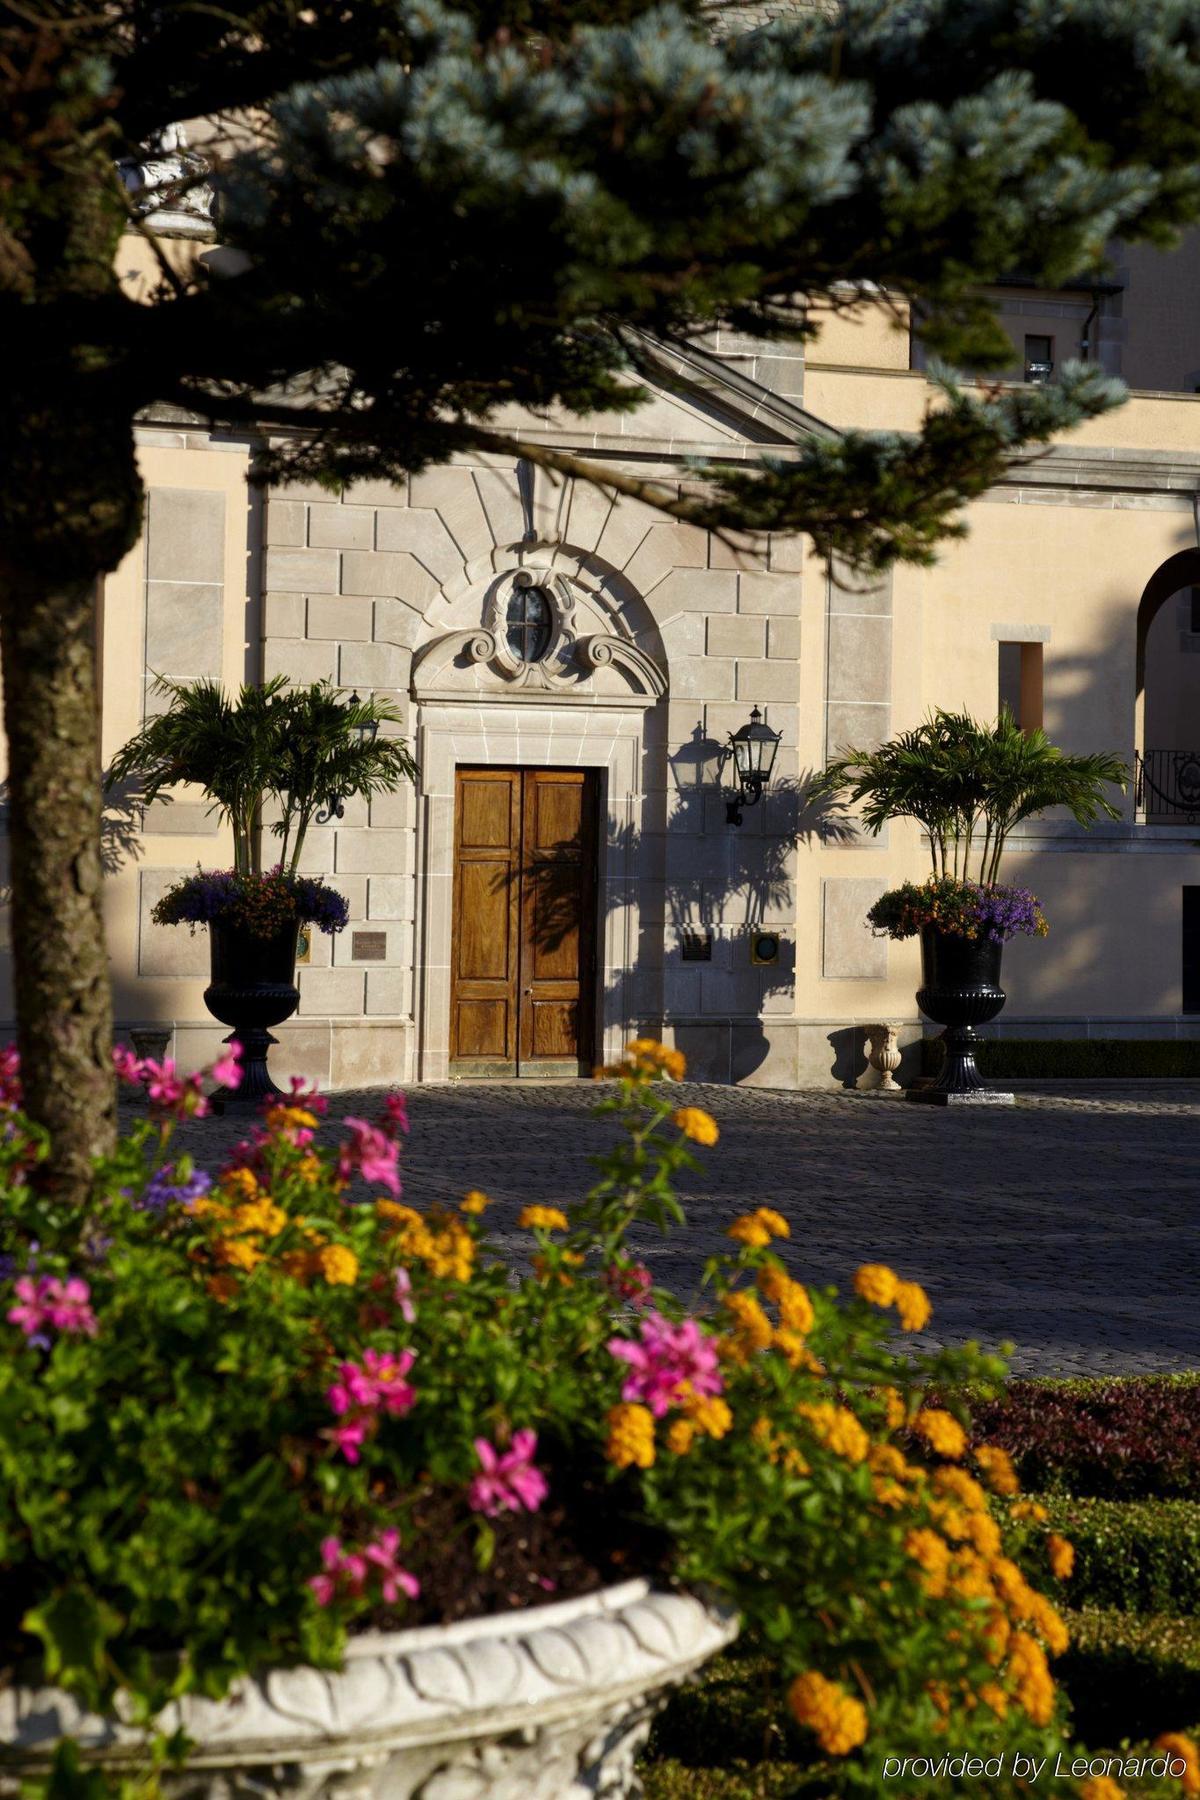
(960, 989)
(549, 1703)
(253, 987)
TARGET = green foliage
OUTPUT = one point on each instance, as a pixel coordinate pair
(1132, 1555)
(969, 784)
(303, 748)
(170, 1472)
(1078, 1059)
(1131, 1675)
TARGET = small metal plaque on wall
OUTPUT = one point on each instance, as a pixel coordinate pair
(695, 946)
(304, 944)
(764, 947)
(368, 946)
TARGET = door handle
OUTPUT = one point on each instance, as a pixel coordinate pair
(528, 990)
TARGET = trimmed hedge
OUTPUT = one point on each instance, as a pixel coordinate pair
(1077, 1059)
(1111, 1439)
(1130, 1675)
(1132, 1555)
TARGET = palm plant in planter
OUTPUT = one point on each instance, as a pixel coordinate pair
(306, 751)
(969, 785)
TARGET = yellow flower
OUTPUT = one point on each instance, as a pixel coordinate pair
(395, 1214)
(240, 1184)
(837, 1718)
(680, 1436)
(261, 1215)
(698, 1125)
(474, 1202)
(982, 1531)
(1176, 1744)
(1101, 1787)
(997, 1469)
(837, 1429)
(338, 1265)
(630, 1436)
(204, 1208)
(775, 1222)
(1032, 1681)
(932, 1553)
(646, 1058)
(238, 1253)
(747, 1230)
(292, 1118)
(754, 1330)
(895, 1409)
(912, 1304)
(710, 1416)
(876, 1282)
(791, 1297)
(993, 1695)
(542, 1218)
(1061, 1553)
(309, 1167)
(941, 1431)
(1030, 1509)
(963, 1487)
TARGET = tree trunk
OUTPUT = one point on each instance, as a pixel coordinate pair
(64, 1007)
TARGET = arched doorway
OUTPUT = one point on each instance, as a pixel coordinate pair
(1167, 699)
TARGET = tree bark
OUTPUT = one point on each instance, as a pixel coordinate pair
(64, 1007)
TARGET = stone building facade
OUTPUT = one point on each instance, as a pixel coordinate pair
(523, 623)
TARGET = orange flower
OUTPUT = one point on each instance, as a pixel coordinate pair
(941, 1431)
(877, 1283)
(912, 1305)
(1061, 1553)
(697, 1125)
(474, 1202)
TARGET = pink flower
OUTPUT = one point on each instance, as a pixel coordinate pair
(349, 1438)
(308, 1097)
(371, 1152)
(404, 1300)
(393, 1580)
(343, 1569)
(126, 1064)
(49, 1301)
(347, 1571)
(508, 1482)
(395, 1114)
(386, 1374)
(628, 1281)
(667, 1357)
(227, 1070)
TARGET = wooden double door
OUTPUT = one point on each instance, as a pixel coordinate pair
(523, 968)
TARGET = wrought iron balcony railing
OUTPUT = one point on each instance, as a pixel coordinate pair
(1167, 784)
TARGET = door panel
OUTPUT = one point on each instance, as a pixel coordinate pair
(487, 891)
(558, 885)
(524, 921)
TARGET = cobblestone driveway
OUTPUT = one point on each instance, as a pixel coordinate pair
(1069, 1224)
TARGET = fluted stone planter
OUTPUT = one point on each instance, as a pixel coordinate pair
(550, 1703)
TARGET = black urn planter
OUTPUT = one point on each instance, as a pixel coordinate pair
(960, 989)
(253, 987)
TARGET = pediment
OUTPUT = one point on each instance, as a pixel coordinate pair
(698, 403)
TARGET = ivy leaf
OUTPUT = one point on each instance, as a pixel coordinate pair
(75, 1627)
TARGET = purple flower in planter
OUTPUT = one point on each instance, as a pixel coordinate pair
(260, 904)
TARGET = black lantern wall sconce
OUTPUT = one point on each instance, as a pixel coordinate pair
(753, 750)
(335, 806)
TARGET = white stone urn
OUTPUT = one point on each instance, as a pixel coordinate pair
(548, 1703)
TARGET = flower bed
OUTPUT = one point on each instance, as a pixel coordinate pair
(962, 908)
(246, 1414)
(1121, 1439)
(259, 904)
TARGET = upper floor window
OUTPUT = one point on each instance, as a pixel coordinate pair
(1039, 358)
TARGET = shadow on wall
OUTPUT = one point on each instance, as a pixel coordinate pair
(717, 913)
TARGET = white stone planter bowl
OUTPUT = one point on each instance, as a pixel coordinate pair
(549, 1703)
